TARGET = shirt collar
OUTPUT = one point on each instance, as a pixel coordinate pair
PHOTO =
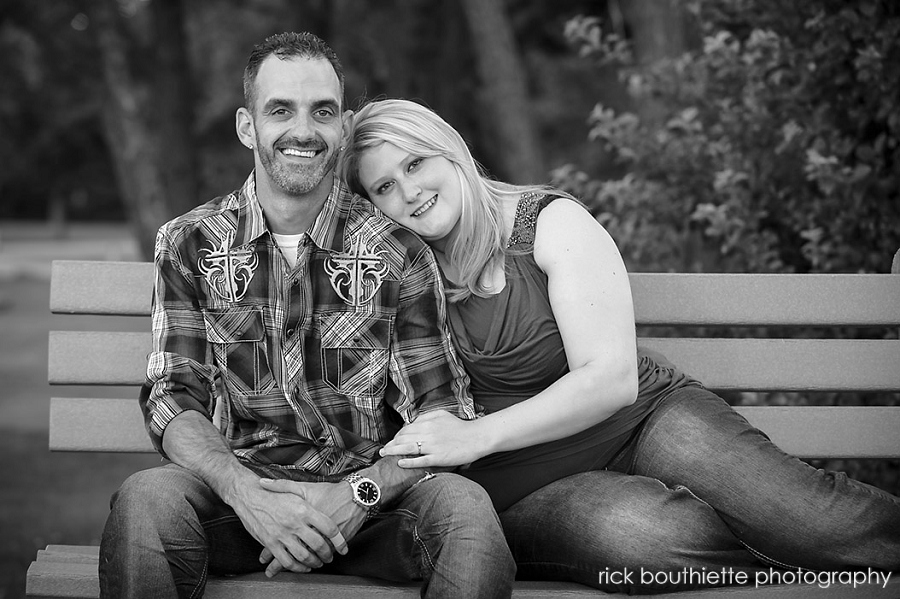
(252, 223)
(330, 219)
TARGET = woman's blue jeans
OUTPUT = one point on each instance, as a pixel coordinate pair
(168, 531)
(696, 488)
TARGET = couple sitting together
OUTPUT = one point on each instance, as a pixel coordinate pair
(446, 389)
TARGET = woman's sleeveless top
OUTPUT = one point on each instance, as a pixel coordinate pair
(511, 347)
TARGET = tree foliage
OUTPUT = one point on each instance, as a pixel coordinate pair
(778, 146)
(51, 138)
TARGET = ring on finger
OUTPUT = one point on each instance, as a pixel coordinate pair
(419, 446)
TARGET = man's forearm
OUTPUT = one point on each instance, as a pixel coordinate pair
(192, 442)
(296, 534)
(394, 480)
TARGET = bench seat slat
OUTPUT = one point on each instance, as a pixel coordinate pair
(114, 358)
(62, 579)
(102, 424)
(46, 575)
(125, 288)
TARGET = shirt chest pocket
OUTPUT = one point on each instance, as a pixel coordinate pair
(355, 352)
(238, 341)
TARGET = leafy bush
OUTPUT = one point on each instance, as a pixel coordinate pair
(776, 144)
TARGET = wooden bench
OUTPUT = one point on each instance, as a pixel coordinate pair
(809, 364)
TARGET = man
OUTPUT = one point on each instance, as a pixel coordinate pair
(316, 328)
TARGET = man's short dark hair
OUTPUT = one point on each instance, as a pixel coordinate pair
(284, 46)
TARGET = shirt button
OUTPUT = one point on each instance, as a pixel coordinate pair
(290, 332)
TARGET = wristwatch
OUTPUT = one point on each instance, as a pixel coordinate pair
(366, 493)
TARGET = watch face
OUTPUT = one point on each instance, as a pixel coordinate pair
(367, 492)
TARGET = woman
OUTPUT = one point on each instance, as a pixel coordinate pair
(599, 456)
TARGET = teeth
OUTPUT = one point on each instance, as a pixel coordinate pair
(425, 206)
(300, 153)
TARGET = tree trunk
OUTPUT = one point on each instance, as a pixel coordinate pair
(657, 28)
(657, 32)
(147, 117)
(506, 112)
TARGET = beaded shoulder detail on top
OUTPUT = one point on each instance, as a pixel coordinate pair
(525, 225)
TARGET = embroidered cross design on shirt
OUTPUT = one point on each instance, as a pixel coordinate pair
(356, 275)
(228, 270)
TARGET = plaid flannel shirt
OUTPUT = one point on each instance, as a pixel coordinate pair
(315, 367)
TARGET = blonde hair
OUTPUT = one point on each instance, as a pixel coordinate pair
(481, 242)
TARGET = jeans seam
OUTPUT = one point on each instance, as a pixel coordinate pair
(758, 554)
(425, 554)
(400, 511)
(859, 486)
(201, 582)
(220, 520)
(762, 556)
(689, 492)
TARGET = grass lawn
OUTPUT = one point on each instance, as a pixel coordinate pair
(52, 498)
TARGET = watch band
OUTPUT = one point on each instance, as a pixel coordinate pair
(354, 479)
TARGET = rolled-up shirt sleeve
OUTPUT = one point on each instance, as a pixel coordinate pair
(180, 375)
(424, 366)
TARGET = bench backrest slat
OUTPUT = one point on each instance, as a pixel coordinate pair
(125, 288)
(115, 358)
(97, 357)
(102, 424)
(773, 299)
(786, 364)
(85, 287)
(97, 424)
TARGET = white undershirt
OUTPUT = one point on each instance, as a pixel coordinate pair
(289, 246)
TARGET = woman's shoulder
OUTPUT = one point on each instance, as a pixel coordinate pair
(567, 232)
(530, 206)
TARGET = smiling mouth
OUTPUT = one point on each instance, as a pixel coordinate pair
(424, 207)
(294, 152)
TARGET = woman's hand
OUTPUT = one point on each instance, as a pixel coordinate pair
(437, 439)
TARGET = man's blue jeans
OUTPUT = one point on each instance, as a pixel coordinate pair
(698, 487)
(167, 531)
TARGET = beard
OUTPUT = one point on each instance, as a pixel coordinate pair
(296, 179)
